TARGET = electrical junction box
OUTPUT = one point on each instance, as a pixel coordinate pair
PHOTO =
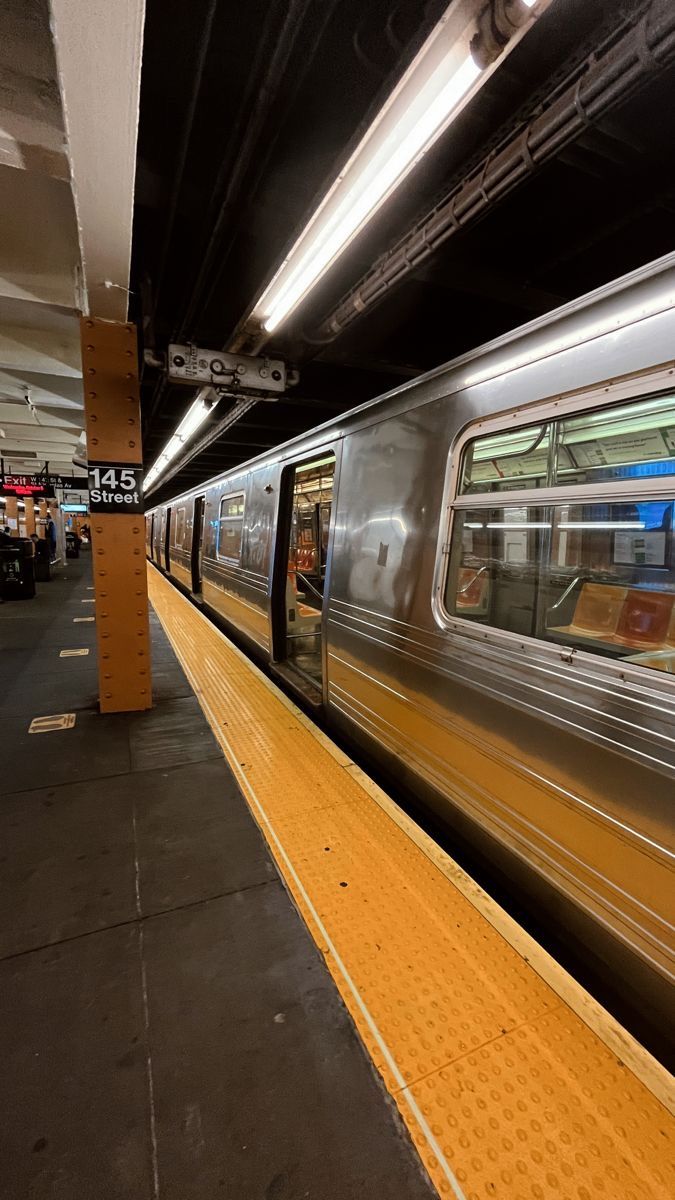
(227, 372)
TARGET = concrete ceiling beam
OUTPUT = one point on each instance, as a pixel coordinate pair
(39, 261)
(45, 390)
(98, 52)
(40, 351)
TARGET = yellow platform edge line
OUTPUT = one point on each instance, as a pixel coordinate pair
(647, 1069)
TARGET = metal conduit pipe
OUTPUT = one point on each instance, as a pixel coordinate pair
(285, 44)
(204, 43)
(294, 15)
(607, 79)
(177, 183)
(265, 154)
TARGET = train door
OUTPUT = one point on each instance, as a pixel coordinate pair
(301, 558)
(167, 540)
(197, 542)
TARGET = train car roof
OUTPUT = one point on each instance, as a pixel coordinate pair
(651, 289)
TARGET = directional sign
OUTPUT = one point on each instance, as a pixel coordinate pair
(115, 488)
(40, 484)
(26, 485)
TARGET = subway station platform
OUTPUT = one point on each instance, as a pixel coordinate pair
(232, 966)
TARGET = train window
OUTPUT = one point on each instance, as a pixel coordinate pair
(230, 527)
(597, 576)
(626, 441)
(594, 571)
(506, 460)
(178, 523)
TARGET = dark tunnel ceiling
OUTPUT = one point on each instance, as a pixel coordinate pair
(268, 136)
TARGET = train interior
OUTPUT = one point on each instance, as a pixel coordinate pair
(595, 573)
(311, 503)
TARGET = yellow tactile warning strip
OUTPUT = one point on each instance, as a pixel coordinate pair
(506, 1090)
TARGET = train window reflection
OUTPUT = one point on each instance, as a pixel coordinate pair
(178, 523)
(626, 441)
(502, 461)
(230, 527)
(600, 577)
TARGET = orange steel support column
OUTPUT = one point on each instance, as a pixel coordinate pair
(112, 411)
(12, 515)
(30, 516)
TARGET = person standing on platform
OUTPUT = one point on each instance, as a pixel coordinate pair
(50, 534)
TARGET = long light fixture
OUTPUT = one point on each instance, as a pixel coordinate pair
(194, 417)
(518, 525)
(440, 81)
(601, 525)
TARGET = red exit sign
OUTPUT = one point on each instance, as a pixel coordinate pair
(24, 485)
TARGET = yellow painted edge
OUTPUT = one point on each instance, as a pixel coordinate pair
(651, 1073)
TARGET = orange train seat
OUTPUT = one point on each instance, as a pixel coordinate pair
(597, 612)
(637, 618)
(305, 558)
(645, 619)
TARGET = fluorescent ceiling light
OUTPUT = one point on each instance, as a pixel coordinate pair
(601, 524)
(518, 525)
(194, 417)
(435, 88)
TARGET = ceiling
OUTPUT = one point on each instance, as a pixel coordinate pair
(248, 113)
(40, 370)
(66, 203)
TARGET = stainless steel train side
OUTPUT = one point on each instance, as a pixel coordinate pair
(559, 760)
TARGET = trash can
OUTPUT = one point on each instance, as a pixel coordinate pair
(17, 570)
(72, 545)
(41, 560)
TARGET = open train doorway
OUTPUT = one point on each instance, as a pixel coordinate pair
(197, 540)
(300, 579)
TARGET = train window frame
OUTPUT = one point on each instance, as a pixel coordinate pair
(645, 385)
(231, 559)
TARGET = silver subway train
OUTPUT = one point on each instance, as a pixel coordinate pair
(474, 578)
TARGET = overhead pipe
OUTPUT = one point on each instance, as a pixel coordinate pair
(260, 86)
(285, 44)
(608, 78)
(294, 15)
(186, 134)
(264, 155)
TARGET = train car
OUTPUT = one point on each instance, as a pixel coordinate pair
(474, 578)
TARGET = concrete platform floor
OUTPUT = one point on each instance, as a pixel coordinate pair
(167, 1027)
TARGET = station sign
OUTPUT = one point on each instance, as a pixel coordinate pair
(115, 488)
(26, 485)
(41, 485)
(70, 483)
